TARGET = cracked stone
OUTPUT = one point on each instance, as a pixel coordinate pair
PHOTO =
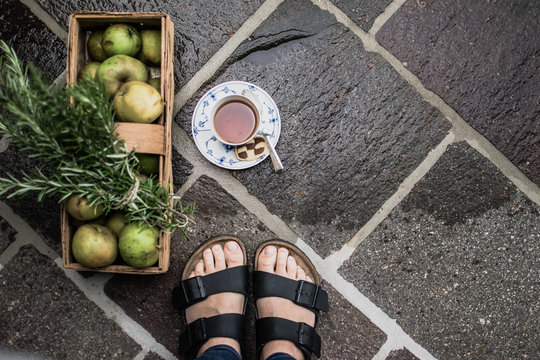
(352, 129)
(482, 58)
(462, 282)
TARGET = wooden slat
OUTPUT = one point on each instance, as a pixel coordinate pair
(144, 138)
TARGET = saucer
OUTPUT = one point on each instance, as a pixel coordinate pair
(214, 150)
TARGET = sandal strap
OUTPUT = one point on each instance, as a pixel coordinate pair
(199, 331)
(301, 334)
(303, 293)
(198, 288)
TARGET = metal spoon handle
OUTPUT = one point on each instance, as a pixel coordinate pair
(273, 154)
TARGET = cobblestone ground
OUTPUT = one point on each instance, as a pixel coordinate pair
(410, 140)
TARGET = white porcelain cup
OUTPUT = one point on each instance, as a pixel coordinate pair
(231, 121)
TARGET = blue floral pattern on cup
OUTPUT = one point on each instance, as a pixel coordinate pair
(215, 151)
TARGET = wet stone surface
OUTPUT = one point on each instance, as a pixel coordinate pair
(147, 299)
(200, 29)
(482, 58)
(7, 234)
(464, 287)
(352, 129)
(402, 354)
(31, 39)
(363, 12)
(42, 312)
(44, 217)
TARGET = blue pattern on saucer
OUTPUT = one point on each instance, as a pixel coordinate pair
(215, 151)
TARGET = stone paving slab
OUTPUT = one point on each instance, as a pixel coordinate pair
(43, 312)
(363, 12)
(31, 39)
(200, 29)
(482, 58)
(7, 234)
(456, 264)
(352, 129)
(402, 354)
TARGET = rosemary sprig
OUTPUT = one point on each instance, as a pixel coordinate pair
(71, 130)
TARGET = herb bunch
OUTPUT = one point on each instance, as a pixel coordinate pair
(71, 130)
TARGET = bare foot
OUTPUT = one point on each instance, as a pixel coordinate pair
(279, 262)
(215, 259)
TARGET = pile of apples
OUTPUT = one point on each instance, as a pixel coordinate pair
(120, 58)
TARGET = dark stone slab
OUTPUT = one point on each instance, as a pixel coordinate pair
(152, 356)
(147, 299)
(181, 169)
(363, 12)
(464, 287)
(346, 333)
(31, 39)
(402, 354)
(43, 312)
(482, 58)
(44, 216)
(352, 129)
(200, 28)
(7, 234)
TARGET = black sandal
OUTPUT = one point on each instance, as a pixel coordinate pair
(194, 290)
(304, 293)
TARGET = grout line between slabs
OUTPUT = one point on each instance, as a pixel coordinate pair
(387, 14)
(47, 19)
(461, 129)
(339, 257)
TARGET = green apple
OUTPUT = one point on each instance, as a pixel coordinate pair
(116, 223)
(117, 70)
(138, 102)
(80, 209)
(155, 83)
(94, 246)
(149, 164)
(95, 50)
(151, 47)
(89, 70)
(121, 39)
(138, 245)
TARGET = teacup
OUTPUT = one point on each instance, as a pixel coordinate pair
(235, 119)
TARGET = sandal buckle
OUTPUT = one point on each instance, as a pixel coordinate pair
(306, 293)
(193, 289)
(197, 331)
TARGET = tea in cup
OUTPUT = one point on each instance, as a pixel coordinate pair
(235, 119)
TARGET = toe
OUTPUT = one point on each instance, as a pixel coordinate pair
(291, 267)
(281, 265)
(208, 259)
(233, 254)
(309, 279)
(267, 259)
(219, 257)
(300, 273)
(192, 275)
(199, 268)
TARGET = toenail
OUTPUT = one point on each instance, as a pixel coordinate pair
(216, 247)
(232, 246)
(270, 250)
(207, 251)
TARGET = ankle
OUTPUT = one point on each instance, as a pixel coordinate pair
(220, 341)
(281, 346)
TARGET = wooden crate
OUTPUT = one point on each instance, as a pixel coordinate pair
(146, 138)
